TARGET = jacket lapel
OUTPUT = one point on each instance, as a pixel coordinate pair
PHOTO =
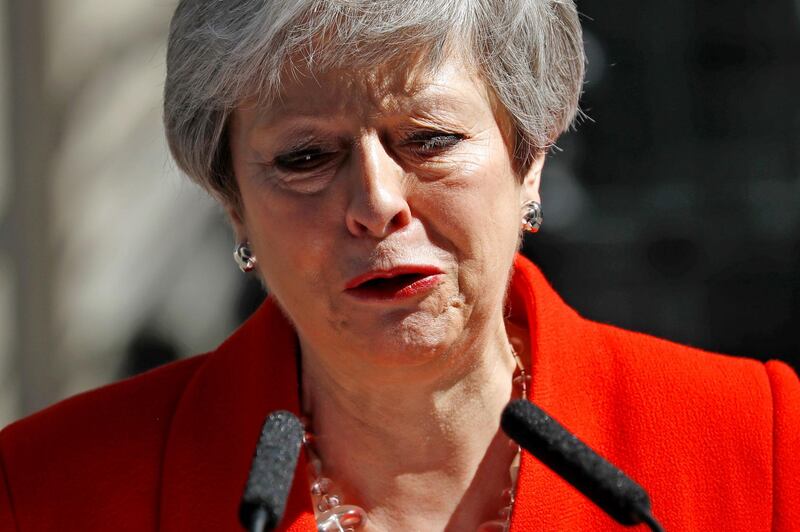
(565, 354)
(217, 424)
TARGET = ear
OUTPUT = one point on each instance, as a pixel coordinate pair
(532, 179)
(237, 223)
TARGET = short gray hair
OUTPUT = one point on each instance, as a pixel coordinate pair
(222, 52)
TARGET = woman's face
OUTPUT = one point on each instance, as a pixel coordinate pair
(384, 210)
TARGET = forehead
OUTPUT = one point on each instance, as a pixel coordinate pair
(449, 87)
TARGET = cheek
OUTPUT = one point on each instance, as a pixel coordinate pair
(291, 225)
(293, 249)
(475, 208)
(476, 215)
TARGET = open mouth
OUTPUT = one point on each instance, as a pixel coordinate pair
(394, 284)
(389, 283)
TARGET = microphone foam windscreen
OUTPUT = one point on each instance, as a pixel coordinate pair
(591, 474)
(273, 469)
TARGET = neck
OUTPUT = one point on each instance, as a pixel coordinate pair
(424, 438)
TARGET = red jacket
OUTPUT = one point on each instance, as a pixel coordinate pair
(713, 439)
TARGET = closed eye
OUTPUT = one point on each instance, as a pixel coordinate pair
(432, 143)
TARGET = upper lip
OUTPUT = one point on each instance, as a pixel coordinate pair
(419, 269)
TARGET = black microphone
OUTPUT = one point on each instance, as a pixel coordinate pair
(271, 474)
(591, 474)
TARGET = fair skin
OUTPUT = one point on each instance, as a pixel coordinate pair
(343, 176)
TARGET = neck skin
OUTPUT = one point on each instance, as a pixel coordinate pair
(418, 448)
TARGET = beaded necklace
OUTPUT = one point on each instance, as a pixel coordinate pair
(334, 516)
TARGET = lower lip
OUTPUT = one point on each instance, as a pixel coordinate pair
(420, 286)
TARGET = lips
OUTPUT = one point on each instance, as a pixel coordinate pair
(396, 283)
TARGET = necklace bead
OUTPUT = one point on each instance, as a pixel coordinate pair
(321, 486)
(344, 518)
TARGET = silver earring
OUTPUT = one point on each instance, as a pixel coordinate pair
(531, 216)
(244, 257)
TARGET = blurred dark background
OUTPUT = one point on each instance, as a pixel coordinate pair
(683, 186)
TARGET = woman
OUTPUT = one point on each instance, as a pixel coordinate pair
(379, 162)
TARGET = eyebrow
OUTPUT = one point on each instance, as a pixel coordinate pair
(267, 128)
(295, 119)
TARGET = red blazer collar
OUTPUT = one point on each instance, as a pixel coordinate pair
(217, 424)
(219, 417)
(566, 352)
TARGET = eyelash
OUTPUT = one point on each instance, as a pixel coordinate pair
(303, 159)
(424, 144)
(434, 142)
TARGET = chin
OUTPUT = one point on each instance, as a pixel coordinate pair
(414, 340)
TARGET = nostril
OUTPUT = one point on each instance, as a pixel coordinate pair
(357, 228)
(402, 218)
(377, 222)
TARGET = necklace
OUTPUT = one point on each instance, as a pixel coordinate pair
(334, 516)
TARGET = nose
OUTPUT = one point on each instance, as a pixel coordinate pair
(378, 204)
